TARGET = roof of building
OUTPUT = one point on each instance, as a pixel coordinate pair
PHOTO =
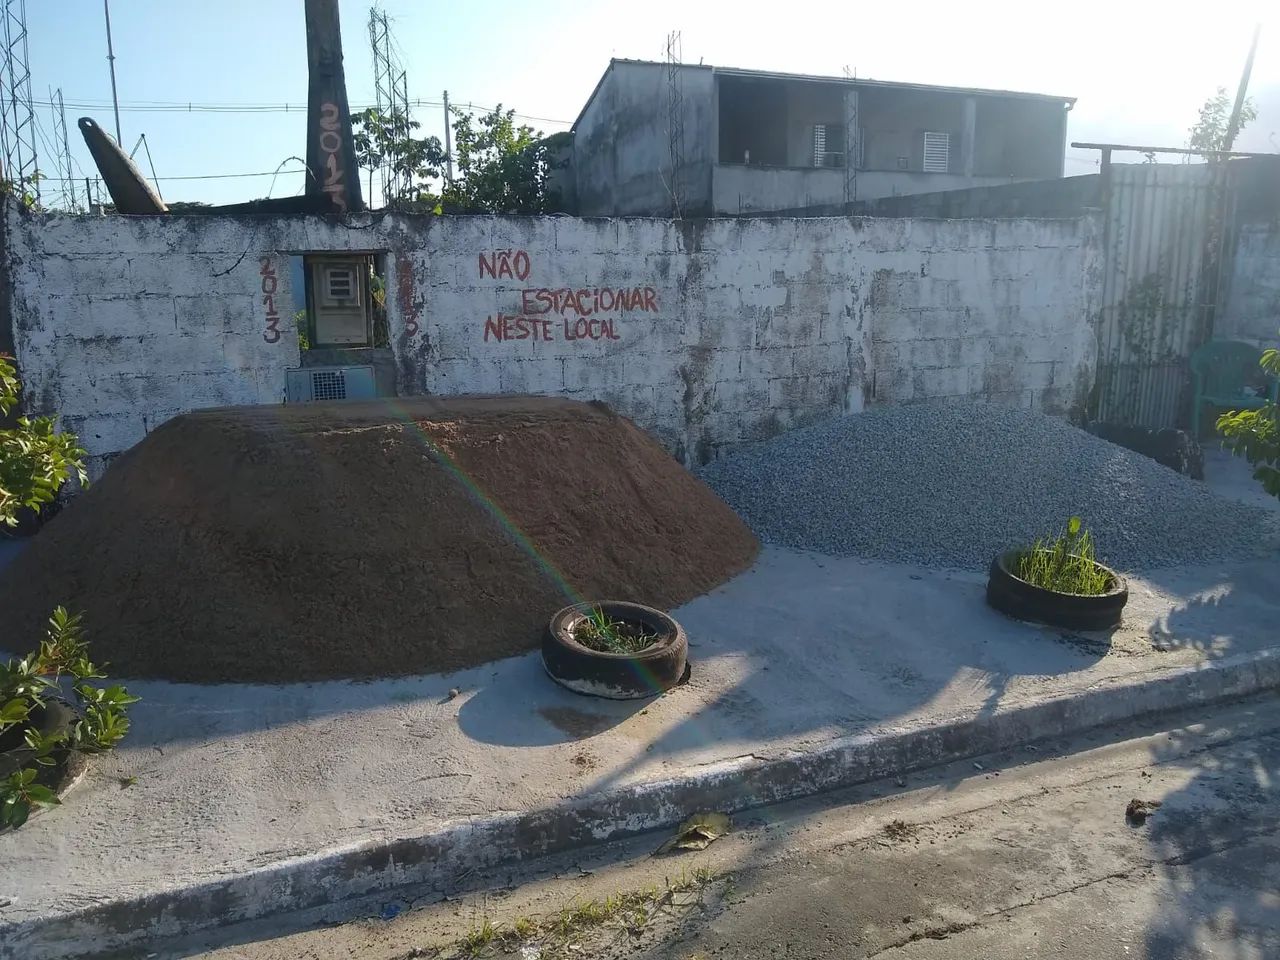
(812, 78)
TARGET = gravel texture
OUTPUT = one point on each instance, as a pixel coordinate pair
(951, 486)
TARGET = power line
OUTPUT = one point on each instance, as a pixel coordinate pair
(210, 176)
(174, 106)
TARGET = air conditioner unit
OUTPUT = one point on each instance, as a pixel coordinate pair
(308, 384)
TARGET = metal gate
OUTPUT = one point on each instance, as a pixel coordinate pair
(1165, 231)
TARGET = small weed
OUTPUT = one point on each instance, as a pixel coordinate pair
(127, 782)
(524, 928)
(703, 875)
(554, 936)
(599, 631)
(1064, 564)
(479, 938)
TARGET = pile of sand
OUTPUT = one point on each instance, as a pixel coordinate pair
(361, 540)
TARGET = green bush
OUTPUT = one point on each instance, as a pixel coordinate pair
(28, 684)
(35, 460)
(1255, 434)
(1064, 563)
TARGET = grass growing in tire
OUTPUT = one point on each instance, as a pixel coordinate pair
(1064, 564)
(600, 632)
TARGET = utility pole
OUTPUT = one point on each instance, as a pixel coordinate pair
(331, 155)
(1233, 126)
(111, 60)
(448, 142)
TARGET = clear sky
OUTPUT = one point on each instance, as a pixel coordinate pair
(1140, 70)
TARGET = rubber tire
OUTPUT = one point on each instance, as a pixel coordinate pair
(615, 676)
(54, 716)
(1024, 601)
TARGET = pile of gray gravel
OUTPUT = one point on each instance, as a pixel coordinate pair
(951, 486)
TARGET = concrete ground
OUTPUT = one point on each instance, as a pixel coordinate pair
(1232, 477)
(799, 651)
(1022, 854)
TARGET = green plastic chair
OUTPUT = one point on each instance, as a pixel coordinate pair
(1220, 372)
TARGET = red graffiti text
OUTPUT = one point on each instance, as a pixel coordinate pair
(513, 264)
(410, 307)
(270, 283)
(507, 327)
(588, 301)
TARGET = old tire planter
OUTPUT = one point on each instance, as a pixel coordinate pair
(1024, 601)
(15, 755)
(617, 676)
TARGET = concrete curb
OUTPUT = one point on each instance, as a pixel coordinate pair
(439, 858)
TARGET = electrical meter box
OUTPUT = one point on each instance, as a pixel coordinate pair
(338, 295)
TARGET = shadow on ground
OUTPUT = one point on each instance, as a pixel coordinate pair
(1219, 882)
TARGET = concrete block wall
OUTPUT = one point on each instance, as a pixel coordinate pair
(987, 308)
(1251, 311)
(120, 323)
(710, 334)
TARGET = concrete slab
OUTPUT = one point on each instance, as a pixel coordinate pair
(1231, 476)
(802, 652)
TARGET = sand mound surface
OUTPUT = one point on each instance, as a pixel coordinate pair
(360, 540)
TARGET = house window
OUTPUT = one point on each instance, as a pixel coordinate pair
(937, 152)
(828, 144)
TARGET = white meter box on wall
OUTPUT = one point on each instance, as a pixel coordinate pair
(339, 299)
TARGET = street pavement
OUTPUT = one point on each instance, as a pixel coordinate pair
(1023, 854)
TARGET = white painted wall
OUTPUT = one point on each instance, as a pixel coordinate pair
(740, 329)
(622, 149)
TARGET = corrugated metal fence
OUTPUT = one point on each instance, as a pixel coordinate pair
(1165, 249)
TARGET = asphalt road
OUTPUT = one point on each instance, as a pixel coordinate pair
(1024, 854)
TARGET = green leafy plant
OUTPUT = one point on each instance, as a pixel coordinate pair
(1212, 127)
(27, 685)
(1255, 434)
(1064, 563)
(599, 631)
(499, 166)
(25, 189)
(35, 459)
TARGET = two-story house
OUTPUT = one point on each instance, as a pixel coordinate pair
(722, 141)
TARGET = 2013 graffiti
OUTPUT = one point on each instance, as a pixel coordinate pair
(335, 181)
(270, 283)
